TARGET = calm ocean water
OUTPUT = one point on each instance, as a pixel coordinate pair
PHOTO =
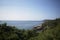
(22, 24)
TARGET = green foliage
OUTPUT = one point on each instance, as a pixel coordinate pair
(12, 33)
(50, 31)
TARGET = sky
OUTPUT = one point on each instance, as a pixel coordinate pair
(29, 9)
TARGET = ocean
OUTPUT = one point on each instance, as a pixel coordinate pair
(22, 24)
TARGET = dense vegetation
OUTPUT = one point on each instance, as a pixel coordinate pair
(12, 33)
(50, 31)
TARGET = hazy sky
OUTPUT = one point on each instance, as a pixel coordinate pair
(29, 9)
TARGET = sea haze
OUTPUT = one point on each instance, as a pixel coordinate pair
(22, 24)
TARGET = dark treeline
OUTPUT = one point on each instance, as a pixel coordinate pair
(50, 31)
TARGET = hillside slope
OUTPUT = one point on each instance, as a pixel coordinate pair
(50, 31)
